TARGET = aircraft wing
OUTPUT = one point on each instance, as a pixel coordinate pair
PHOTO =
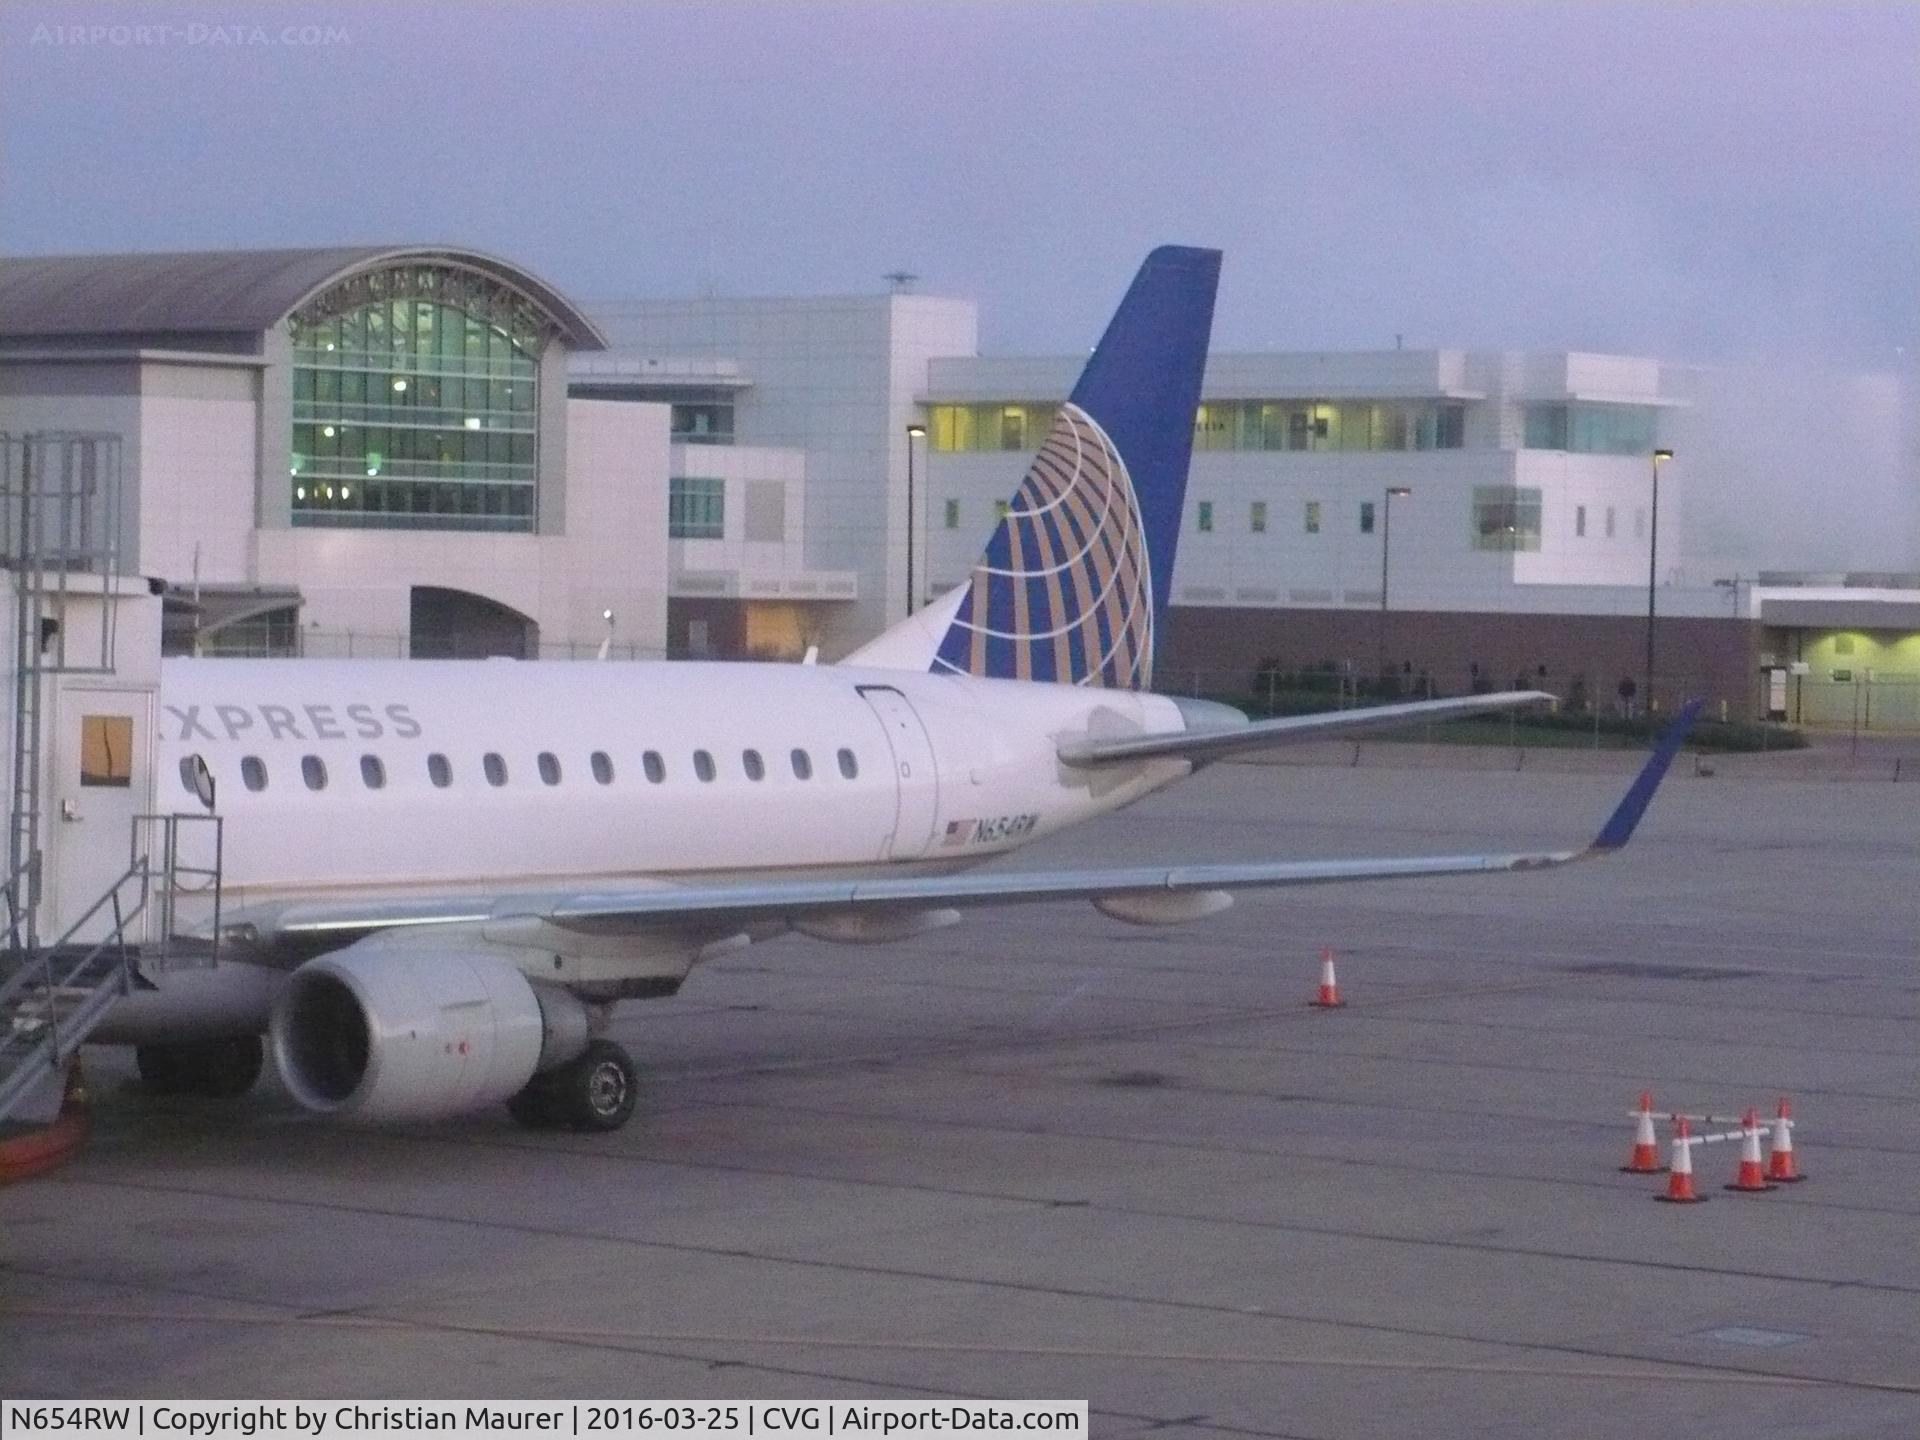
(1204, 745)
(724, 906)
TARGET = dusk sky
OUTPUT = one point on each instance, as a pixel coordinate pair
(1701, 181)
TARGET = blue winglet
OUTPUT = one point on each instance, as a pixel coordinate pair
(1619, 827)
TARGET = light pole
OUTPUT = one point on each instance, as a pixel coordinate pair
(1386, 550)
(1653, 571)
(914, 432)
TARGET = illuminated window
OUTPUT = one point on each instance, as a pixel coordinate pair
(415, 403)
(106, 750)
(1013, 427)
(1506, 517)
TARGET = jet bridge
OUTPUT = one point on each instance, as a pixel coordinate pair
(98, 877)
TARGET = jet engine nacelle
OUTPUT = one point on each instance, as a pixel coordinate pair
(400, 1032)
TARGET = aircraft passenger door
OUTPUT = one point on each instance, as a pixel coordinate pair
(916, 782)
(102, 778)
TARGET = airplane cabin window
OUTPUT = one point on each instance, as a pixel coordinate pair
(253, 774)
(373, 772)
(495, 767)
(655, 767)
(186, 776)
(602, 766)
(849, 766)
(703, 764)
(802, 765)
(314, 771)
(750, 762)
(549, 767)
(439, 770)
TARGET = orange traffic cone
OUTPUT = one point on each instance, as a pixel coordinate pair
(1751, 1177)
(1780, 1168)
(1680, 1189)
(1329, 996)
(1645, 1159)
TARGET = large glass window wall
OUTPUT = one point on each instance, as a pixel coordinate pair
(1589, 429)
(416, 405)
(1232, 425)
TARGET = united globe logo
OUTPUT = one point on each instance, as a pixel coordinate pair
(1064, 591)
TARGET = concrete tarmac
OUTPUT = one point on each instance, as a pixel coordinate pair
(1047, 1155)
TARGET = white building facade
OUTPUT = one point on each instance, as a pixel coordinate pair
(350, 451)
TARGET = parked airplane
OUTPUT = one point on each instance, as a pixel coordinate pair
(440, 877)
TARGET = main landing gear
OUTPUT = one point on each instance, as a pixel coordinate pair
(221, 1069)
(596, 1092)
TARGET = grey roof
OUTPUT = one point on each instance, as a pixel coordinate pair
(224, 291)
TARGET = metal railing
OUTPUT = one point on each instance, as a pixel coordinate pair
(42, 1031)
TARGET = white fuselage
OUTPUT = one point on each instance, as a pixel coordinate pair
(601, 770)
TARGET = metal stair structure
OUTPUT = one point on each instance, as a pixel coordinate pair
(59, 546)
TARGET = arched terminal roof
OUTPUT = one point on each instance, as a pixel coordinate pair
(229, 291)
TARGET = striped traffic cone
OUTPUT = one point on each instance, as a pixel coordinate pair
(1751, 1177)
(1645, 1159)
(1780, 1167)
(1680, 1189)
(1329, 996)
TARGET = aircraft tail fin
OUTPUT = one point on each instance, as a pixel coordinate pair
(1074, 583)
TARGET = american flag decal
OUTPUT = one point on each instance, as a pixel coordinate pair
(957, 832)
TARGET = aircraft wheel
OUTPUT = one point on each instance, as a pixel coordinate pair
(599, 1090)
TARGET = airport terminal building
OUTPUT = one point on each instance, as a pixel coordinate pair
(427, 450)
(366, 451)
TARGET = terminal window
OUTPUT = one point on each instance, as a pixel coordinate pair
(696, 509)
(1506, 517)
(1257, 517)
(416, 407)
(106, 750)
(1591, 429)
